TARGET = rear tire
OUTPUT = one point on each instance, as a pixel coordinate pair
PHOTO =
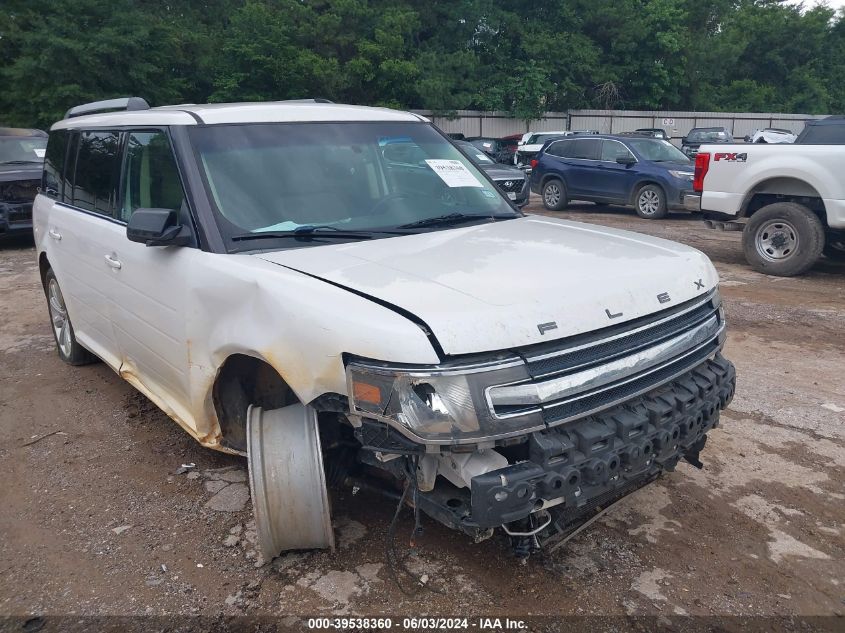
(69, 349)
(783, 239)
(650, 202)
(554, 195)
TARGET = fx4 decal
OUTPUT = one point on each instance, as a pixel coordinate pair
(731, 157)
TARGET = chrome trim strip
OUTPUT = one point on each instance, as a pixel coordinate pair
(713, 294)
(597, 378)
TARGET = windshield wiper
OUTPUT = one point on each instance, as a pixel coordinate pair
(452, 218)
(311, 232)
(20, 162)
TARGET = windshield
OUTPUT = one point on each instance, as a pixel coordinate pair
(708, 136)
(347, 177)
(477, 156)
(22, 149)
(658, 151)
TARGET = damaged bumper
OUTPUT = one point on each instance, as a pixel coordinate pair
(570, 467)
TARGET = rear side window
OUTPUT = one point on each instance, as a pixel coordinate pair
(97, 172)
(151, 178)
(586, 149)
(52, 182)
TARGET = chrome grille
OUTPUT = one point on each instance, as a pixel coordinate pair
(587, 375)
(511, 184)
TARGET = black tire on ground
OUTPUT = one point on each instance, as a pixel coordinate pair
(650, 202)
(783, 239)
(834, 247)
(554, 195)
(69, 349)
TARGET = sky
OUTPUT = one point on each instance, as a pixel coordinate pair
(833, 4)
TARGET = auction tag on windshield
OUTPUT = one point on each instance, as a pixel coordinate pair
(454, 173)
(40, 152)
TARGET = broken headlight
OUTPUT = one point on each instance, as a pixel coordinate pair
(437, 405)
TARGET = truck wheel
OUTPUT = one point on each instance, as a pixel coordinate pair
(834, 248)
(70, 351)
(650, 202)
(554, 195)
(783, 239)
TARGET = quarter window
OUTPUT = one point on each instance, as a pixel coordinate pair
(97, 172)
(151, 178)
(560, 148)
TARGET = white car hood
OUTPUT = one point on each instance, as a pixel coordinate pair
(487, 287)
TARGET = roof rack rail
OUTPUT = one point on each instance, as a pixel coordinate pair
(124, 103)
(315, 100)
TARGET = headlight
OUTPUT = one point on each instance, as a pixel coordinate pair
(437, 405)
(682, 175)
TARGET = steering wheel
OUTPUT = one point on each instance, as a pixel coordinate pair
(378, 207)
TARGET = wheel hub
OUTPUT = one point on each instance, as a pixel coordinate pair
(777, 240)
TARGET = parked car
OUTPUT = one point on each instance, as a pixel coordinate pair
(583, 132)
(495, 148)
(509, 145)
(510, 180)
(828, 131)
(651, 175)
(531, 145)
(339, 294)
(788, 201)
(21, 163)
(653, 132)
(700, 135)
(770, 135)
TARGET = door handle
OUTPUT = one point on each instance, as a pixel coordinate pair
(54, 234)
(112, 261)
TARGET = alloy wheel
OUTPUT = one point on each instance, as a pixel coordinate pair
(649, 202)
(59, 318)
(551, 194)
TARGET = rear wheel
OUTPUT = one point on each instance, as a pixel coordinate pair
(554, 195)
(783, 239)
(70, 351)
(650, 202)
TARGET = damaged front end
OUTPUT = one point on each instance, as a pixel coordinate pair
(537, 441)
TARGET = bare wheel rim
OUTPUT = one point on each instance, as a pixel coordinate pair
(776, 240)
(648, 201)
(287, 480)
(552, 194)
(59, 318)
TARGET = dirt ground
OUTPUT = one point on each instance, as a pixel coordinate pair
(95, 520)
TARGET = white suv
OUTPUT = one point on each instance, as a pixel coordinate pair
(340, 295)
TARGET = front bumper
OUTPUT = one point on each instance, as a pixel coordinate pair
(15, 218)
(570, 467)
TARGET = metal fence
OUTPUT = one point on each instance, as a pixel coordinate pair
(677, 124)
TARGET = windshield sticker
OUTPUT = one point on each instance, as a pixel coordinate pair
(40, 152)
(454, 173)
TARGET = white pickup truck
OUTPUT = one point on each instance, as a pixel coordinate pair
(788, 199)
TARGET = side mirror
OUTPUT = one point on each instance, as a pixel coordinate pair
(626, 160)
(683, 140)
(157, 227)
